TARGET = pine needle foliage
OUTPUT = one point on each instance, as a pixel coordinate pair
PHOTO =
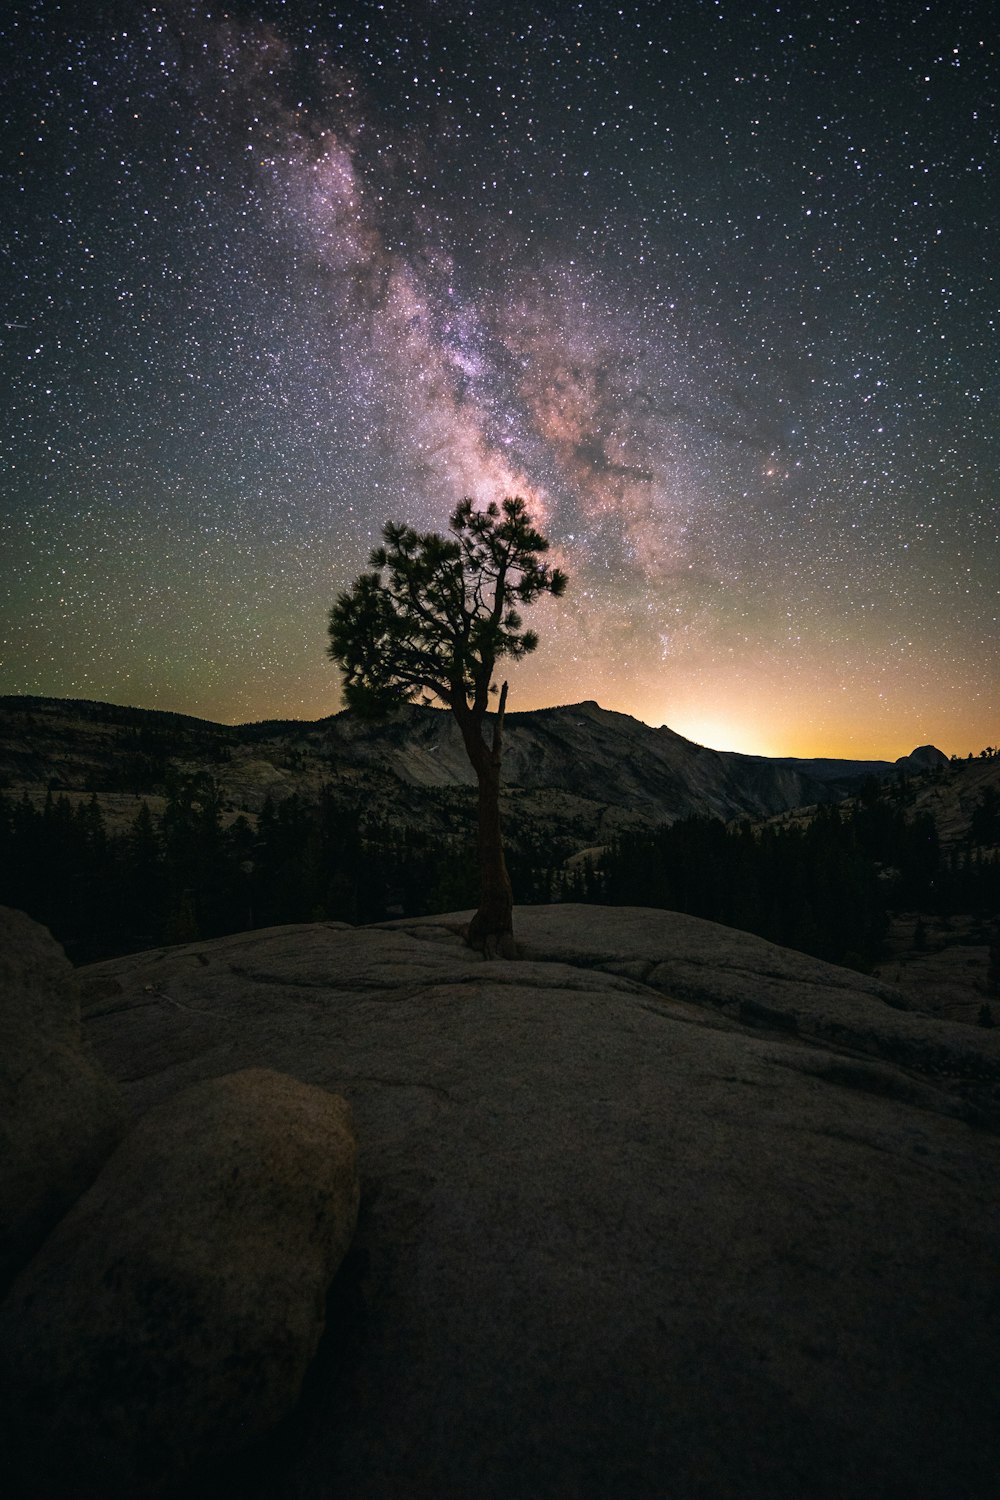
(437, 613)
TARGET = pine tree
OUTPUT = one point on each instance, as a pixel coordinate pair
(432, 621)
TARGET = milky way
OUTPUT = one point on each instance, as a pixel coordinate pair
(713, 286)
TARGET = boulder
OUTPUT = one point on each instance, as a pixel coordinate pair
(60, 1114)
(660, 1209)
(171, 1316)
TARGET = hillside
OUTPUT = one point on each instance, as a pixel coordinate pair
(607, 770)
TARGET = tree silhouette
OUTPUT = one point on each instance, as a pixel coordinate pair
(433, 619)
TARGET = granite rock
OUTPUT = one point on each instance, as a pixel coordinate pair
(658, 1209)
(171, 1316)
(60, 1114)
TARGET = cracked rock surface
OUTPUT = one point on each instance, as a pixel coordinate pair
(660, 1209)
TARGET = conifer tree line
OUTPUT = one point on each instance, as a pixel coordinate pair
(185, 875)
(824, 886)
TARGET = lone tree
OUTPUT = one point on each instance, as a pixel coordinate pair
(433, 619)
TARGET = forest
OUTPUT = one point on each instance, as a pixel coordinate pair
(825, 885)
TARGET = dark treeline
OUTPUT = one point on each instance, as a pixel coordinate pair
(825, 887)
(187, 875)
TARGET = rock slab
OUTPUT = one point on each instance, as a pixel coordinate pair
(171, 1316)
(658, 1211)
(60, 1114)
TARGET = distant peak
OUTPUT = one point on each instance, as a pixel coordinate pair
(925, 756)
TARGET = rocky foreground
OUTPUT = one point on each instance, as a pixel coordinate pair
(658, 1210)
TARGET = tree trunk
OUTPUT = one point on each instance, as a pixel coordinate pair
(492, 928)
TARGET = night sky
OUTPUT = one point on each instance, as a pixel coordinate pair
(713, 285)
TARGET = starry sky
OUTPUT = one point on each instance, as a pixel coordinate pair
(713, 285)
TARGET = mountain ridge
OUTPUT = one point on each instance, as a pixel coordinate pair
(578, 773)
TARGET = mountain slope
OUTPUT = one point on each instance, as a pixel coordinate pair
(612, 768)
